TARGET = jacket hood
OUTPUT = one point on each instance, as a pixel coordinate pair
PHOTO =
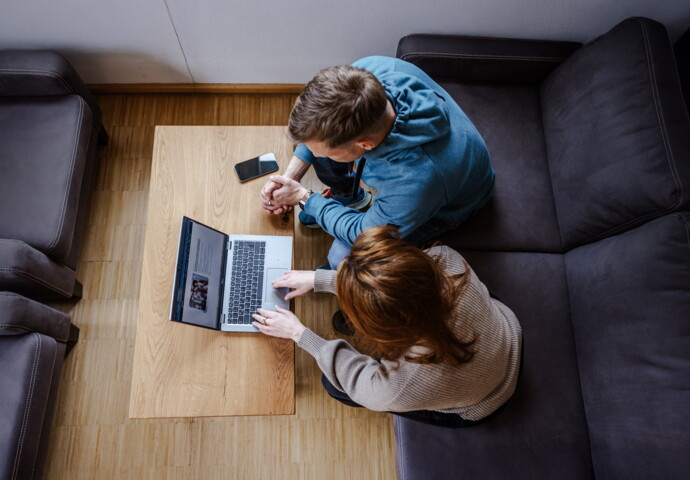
(422, 115)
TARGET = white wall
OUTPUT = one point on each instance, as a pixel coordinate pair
(274, 41)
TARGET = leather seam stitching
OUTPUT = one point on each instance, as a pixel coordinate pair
(43, 419)
(51, 247)
(660, 117)
(37, 279)
(405, 56)
(39, 73)
(20, 442)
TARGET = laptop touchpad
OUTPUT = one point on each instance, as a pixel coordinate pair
(275, 296)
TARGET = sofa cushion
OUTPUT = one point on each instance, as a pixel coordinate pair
(630, 301)
(617, 133)
(45, 142)
(30, 367)
(521, 216)
(541, 432)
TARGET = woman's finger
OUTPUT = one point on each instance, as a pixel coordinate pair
(261, 327)
(267, 313)
(292, 294)
(281, 281)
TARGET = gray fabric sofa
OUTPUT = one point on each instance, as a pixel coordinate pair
(50, 126)
(587, 239)
(33, 342)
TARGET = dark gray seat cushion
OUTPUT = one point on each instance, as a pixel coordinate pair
(616, 133)
(45, 142)
(630, 303)
(30, 367)
(521, 216)
(541, 433)
(32, 350)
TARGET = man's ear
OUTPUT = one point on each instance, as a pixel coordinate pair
(365, 143)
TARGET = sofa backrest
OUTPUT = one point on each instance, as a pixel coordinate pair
(616, 131)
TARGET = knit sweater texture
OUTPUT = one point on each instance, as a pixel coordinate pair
(472, 390)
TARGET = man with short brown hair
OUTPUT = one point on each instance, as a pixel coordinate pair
(427, 162)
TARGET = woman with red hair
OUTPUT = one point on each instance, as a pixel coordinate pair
(442, 350)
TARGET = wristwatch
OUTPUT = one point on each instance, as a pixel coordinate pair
(305, 198)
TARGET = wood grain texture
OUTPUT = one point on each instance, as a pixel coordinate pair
(92, 435)
(183, 371)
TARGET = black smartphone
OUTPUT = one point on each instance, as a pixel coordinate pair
(255, 167)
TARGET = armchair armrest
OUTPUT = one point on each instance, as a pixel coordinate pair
(27, 270)
(480, 59)
(38, 73)
(19, 315)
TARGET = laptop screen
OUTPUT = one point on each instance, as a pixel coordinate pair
(198, 276)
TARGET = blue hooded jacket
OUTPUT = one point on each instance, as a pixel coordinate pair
(433, 164)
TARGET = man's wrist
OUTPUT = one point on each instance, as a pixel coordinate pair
(305, 196)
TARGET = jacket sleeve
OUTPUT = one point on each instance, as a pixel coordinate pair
(304, 154)
(406, 201)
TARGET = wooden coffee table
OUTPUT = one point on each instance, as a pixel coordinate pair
(185, 371)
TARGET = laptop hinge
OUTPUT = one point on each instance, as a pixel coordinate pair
(223, 318)
(228, 244)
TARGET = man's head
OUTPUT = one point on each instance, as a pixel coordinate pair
(340, 106)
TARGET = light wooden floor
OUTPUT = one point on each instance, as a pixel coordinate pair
(92, 436)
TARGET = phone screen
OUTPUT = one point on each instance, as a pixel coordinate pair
(255, 167)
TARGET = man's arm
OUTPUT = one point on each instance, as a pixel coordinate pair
(295, 170)
(405, 202)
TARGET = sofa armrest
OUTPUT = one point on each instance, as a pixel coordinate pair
(20, 315)
(27, 270)
(39, 73)
(480, 59)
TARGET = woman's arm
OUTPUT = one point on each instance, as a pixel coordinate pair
(303, 281)
(370, 383)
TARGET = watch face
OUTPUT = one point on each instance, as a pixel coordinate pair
(303, 202)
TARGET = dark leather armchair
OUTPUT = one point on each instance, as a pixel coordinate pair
(50, 126)
(33, 341)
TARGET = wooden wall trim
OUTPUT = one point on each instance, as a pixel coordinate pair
(259, 88)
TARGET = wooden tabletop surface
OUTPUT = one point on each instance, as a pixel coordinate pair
(185, 371)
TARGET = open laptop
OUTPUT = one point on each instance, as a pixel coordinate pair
(220, 280)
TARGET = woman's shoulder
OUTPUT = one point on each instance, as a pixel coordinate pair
(452, 261)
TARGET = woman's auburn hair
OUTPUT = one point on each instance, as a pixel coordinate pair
(396, 296)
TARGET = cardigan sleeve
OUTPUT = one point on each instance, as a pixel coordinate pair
(324, 281)
(375, 385)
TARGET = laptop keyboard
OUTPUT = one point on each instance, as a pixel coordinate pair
(247, 282)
